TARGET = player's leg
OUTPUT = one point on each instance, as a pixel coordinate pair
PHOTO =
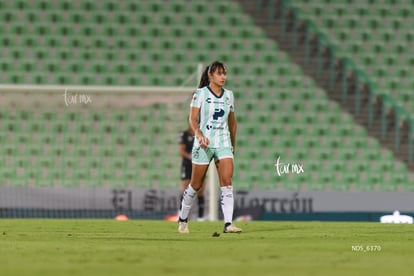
(189, 195)
(184, 185)
(201, 201)
(185, 178)
(201, 159)
(225, 168)
(225, 173)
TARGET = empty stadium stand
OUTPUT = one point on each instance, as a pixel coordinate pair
(281, 111)
(376, 35)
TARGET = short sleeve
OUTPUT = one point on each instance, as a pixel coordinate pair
(196, 99)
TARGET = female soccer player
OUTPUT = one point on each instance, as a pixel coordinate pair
(214, 124)
(186, 142)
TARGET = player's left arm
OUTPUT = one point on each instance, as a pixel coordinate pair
(233, 129)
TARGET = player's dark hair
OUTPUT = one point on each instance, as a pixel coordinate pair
(216, 65)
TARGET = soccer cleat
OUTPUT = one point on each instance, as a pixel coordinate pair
(231, 229)
(183, 227)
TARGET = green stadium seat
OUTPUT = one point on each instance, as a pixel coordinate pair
(145, 43)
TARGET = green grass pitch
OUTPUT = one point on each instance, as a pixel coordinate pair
(142, 247)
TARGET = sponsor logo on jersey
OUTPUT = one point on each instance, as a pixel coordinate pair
(218, 113)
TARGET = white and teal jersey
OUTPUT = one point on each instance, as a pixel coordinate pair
(214, 113)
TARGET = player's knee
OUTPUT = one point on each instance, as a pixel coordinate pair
(226, 181)
(196, 185)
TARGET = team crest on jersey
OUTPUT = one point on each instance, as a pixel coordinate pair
(227, 100)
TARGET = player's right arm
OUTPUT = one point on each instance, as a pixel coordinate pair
(193, 120)
(195, 107)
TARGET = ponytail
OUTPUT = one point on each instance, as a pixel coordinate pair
(204, 81)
